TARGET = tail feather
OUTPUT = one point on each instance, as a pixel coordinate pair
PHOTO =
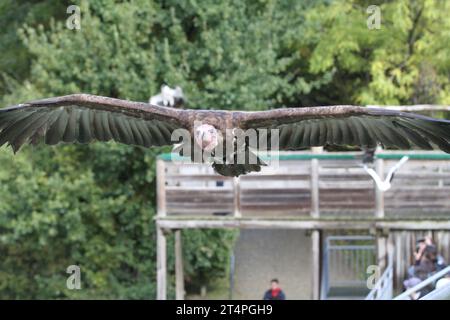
(235, 169)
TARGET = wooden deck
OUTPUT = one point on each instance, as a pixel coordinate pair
(340, 188)
(313, 191)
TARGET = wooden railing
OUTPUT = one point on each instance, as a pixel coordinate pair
(309, 185)
(310, 191)
(384, 287)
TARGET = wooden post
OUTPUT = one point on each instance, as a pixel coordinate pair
(315, 188)
(179, 272)
(392, 254)
(237, 194)
(379, 195)
(160, 188)
(379, 213)
(315, 241)
(161, 244)
(161, 264)
(382, 249)
(315, 234)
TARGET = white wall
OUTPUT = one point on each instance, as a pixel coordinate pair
(261, 255)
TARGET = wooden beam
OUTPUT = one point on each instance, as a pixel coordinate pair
(264, 224)
(342, 224)
(160, 188)
(161, 265)
(315, 261)
(179, 271)
(415, 225)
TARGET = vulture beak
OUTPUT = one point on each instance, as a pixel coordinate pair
(205, 142)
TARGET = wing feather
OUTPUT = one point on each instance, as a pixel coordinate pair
(56, 130)
(331, 131)
(85, 134)
(322, 132)
(125, 136)
(415, 136)
(71, 132)
(314, 134)
(9, 118)
(136, 133)
(348, 132)
(98, 131)
(146, 135)
(113, 127)
(435, 138)
(158, 137)
(17, 126)
(29, 130)
(295, 136)
(85, 118)
(107, 134)
(351, 125)
(285, 134)
(306, 136)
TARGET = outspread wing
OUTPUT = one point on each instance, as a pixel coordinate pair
(84, 118)
(350, 125)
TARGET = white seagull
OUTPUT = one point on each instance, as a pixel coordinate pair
(386, 184)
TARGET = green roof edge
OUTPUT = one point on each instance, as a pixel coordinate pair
(333, 156)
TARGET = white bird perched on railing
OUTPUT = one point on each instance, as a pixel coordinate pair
(168, 97)
(386, 184)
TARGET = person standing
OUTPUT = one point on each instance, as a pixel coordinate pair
(275, 292)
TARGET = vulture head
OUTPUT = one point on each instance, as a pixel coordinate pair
(206, 137)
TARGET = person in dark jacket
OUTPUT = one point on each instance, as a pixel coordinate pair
(275, 292)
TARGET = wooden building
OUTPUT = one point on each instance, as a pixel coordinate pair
(317, 198)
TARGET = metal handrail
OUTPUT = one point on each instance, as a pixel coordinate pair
(423, 284)
(438, 294)
(384, 286)
(380, 287)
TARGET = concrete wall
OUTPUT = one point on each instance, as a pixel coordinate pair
(261, 255)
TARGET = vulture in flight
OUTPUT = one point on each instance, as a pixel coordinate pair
(83, 118)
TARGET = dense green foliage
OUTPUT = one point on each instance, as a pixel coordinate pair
(93, 205)
(406, 61)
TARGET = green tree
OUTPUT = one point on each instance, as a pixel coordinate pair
(15, 60)
(93, 205)
(405, 61)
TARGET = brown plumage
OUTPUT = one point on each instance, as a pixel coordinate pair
(82, 118)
